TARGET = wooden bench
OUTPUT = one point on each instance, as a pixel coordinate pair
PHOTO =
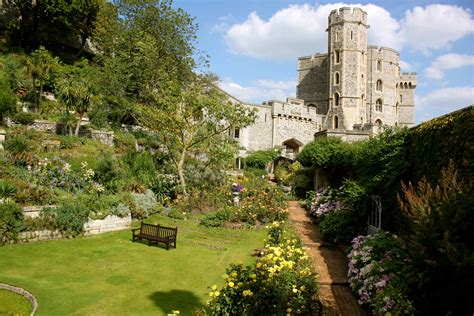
(156, 233)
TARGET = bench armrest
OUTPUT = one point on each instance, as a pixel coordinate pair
(135, 229)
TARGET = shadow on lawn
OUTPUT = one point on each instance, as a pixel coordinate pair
(184, 301)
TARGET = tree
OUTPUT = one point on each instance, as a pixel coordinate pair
(52, 22)
(7, 101)
(76, 95)
(199, 116)
(39, 66)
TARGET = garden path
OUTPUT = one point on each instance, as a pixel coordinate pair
(329, 262)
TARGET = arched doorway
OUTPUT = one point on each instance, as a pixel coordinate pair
(292, 147)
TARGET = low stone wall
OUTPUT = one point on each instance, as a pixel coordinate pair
(30, 297)
(106, 138)
(109, 224)
(44, 126)
(92, 227)
(34, 211)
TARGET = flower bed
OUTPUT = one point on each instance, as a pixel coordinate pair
(379, 273)
(281, 282)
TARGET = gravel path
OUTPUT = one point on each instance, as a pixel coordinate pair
(330, 263)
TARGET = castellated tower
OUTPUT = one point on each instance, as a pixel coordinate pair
(347, 54)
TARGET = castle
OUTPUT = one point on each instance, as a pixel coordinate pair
(350, 92)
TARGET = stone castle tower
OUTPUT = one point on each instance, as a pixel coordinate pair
(351, 92)
(355, 86)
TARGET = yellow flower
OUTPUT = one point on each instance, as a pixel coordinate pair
(234, 274)
(289, 310)
(211, 294)
(230, 284)
(295, 290)
(302, 288)
(216, 293)
(175, 312)
(225, 276)
(214, 287)
(259, 265)
(247, 293)
(253, 276)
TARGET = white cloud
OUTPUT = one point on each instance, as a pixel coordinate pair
(223, 24)
(442, 101)
(446, 62)
(300, 30)
(435, 26)
(260, 90)
(405, 66)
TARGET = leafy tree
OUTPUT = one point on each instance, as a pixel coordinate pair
(51, 22)
(39, 66)
(193, 121)
(7, 101)
(260, 158)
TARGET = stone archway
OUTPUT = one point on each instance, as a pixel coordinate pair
(292, 147)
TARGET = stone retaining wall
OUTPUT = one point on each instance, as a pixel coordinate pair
(30, 297)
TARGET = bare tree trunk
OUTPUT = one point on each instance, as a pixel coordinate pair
(180, 167)
(78, 126)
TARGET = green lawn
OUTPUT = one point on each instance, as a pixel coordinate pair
(14, 304)
(110, 275)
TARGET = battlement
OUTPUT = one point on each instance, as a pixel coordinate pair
(408, 79)
(382, 49)
(347, 14)
(312, 56)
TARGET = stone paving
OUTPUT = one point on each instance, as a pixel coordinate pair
(330, 263)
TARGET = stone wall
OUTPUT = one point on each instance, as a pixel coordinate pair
(2, 137)
(44, 126)
(30, 297)
(92, 227)
(106, 138)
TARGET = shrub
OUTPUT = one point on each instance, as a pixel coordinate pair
(124, 141)
(12, 222)
(25, 118)
(340, 227)
(7, 102)
(20, 146)
(218, 218)
(439, 230)
(70, 217)
(107, 170)
(280, 282)
(144, 204)
(69, 142)
(7, 189)
(142, 166)
(254, 172)
(176, 214)
(380, 274)
(260, 158)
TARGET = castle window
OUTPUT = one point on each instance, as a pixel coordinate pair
(336, 36)
(401, 98)
(378, 85)
(396, 123)
(409, 85)
(237, 132)
(405, 85)
(362, 101)
(352, 34)
(336, 99)
(337, 57)
(336, 78)
(378, 105)
(336, 122)
(379, 65)
(397, 108)
(379, 122)
(361, 120)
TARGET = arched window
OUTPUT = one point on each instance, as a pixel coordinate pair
(237, 132)
(396, 123)
(401, 98)
(337, 57)
(379, 65)
(362, 77)
(378, 105)
(336, 78)
(397, 108)
(409, 85)
(361, 120)
(336, 122)
(396, 85)
(352, 34)
(362, 102)
(379, 122)
(336, 99)
(405, 85)
(378, 85)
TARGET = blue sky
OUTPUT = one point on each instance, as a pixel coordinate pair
(254, 45)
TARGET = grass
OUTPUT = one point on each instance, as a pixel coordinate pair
(14, 304)
(110, 275)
